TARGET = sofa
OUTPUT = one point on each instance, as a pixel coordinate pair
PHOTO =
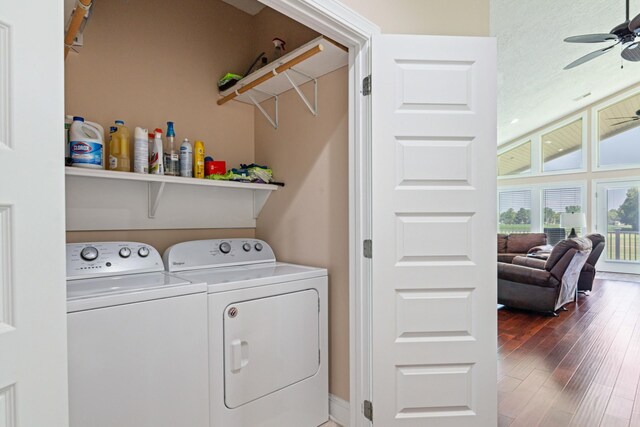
(588, 273)
(526, 286)
(518, 244)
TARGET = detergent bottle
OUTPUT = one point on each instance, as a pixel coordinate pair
(86, 146)
(119, 143)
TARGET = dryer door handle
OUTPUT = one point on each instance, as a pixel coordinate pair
(239, 354)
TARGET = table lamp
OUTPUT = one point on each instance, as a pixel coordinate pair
(573, 220)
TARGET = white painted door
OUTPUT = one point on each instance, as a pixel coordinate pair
(33, 348)
(617, 219)
(434, 231)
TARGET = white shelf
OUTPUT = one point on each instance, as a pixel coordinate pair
(305, 64)
(108, 200)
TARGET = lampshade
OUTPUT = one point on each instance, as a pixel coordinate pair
(573, 220)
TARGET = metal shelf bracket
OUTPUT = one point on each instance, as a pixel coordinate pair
(314, 108)
(273, 121)
(155, 193)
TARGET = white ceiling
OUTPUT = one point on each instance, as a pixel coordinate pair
(252, 7)
(532, 86)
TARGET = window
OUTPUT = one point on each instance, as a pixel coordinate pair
(560, 200)
(515, 161)
(514, 211)
(562, 148)
(619, 133)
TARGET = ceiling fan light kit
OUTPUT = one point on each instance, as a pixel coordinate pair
(624, 34)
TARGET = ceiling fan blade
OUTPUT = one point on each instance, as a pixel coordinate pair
(631, 52)
(589, 57)
(591, 38)
(621, 123)
(634, 25)
(623, 118)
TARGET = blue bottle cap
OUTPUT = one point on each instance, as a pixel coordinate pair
(78, 119)
(120, 122)
(170, 131)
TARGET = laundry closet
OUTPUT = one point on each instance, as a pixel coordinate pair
(148, 62)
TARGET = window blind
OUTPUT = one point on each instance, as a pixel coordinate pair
(560, 200)
(514, 211)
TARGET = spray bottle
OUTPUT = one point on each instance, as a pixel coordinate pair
(155, 159)
(198, 159)
(186, 159)
(171, 157)
(141, 151)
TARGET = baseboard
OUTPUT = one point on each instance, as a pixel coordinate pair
(339, 411)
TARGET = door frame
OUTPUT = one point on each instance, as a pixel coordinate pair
(596, 211)
(333, 19)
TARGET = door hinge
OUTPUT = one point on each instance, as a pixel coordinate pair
(366, 85)
(368, 410)
(368, 248)
(319, 361)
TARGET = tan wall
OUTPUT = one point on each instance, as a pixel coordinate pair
(159, 239)
(149, 62)
(306, 222)
(436, 17)
(590, 175)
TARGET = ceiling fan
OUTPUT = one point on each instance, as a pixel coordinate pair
(624, 34)
(625, 119)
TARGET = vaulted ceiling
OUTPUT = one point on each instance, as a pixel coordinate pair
(533, 88)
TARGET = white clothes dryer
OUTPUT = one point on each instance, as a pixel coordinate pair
(267, 333)
(137, 340)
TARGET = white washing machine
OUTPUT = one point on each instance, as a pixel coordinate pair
(267, 333)
(137, 339)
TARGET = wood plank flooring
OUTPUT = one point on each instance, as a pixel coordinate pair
(579, 369)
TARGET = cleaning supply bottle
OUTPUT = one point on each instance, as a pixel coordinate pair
(155, 159)
(86, 147)
(186, 159)
(119, 144)
(198, 159)
(68, 120)
(171, 153)
(140, 151)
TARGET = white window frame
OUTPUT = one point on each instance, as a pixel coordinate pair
(536, 148)
(537, 199)
(595, 133)
(514, 145)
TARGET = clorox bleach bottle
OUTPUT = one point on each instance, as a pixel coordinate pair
(86, 146)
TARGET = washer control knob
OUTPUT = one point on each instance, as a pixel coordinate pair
(143, 252)
(125, 252)
(258, 246)
(89, 253)
(246, 247)
(225, 247)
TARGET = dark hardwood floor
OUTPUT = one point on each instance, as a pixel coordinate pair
(580, 369)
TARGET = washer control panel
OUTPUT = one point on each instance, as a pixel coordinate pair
(216, 253)
(87, 260)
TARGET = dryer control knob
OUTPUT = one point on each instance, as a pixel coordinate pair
(89, 253)
(125, 252)
(246, 247)
(258, 247)
(143, 252)
(225, 247)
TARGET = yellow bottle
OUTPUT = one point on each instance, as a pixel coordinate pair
(119, 157)
(198, 159)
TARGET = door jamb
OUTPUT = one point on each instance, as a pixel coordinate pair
(333, 19)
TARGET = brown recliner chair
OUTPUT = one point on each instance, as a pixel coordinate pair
(588, 273)
(585, 283)
(530, 288)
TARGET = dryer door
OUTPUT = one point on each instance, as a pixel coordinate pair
(270, 343)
